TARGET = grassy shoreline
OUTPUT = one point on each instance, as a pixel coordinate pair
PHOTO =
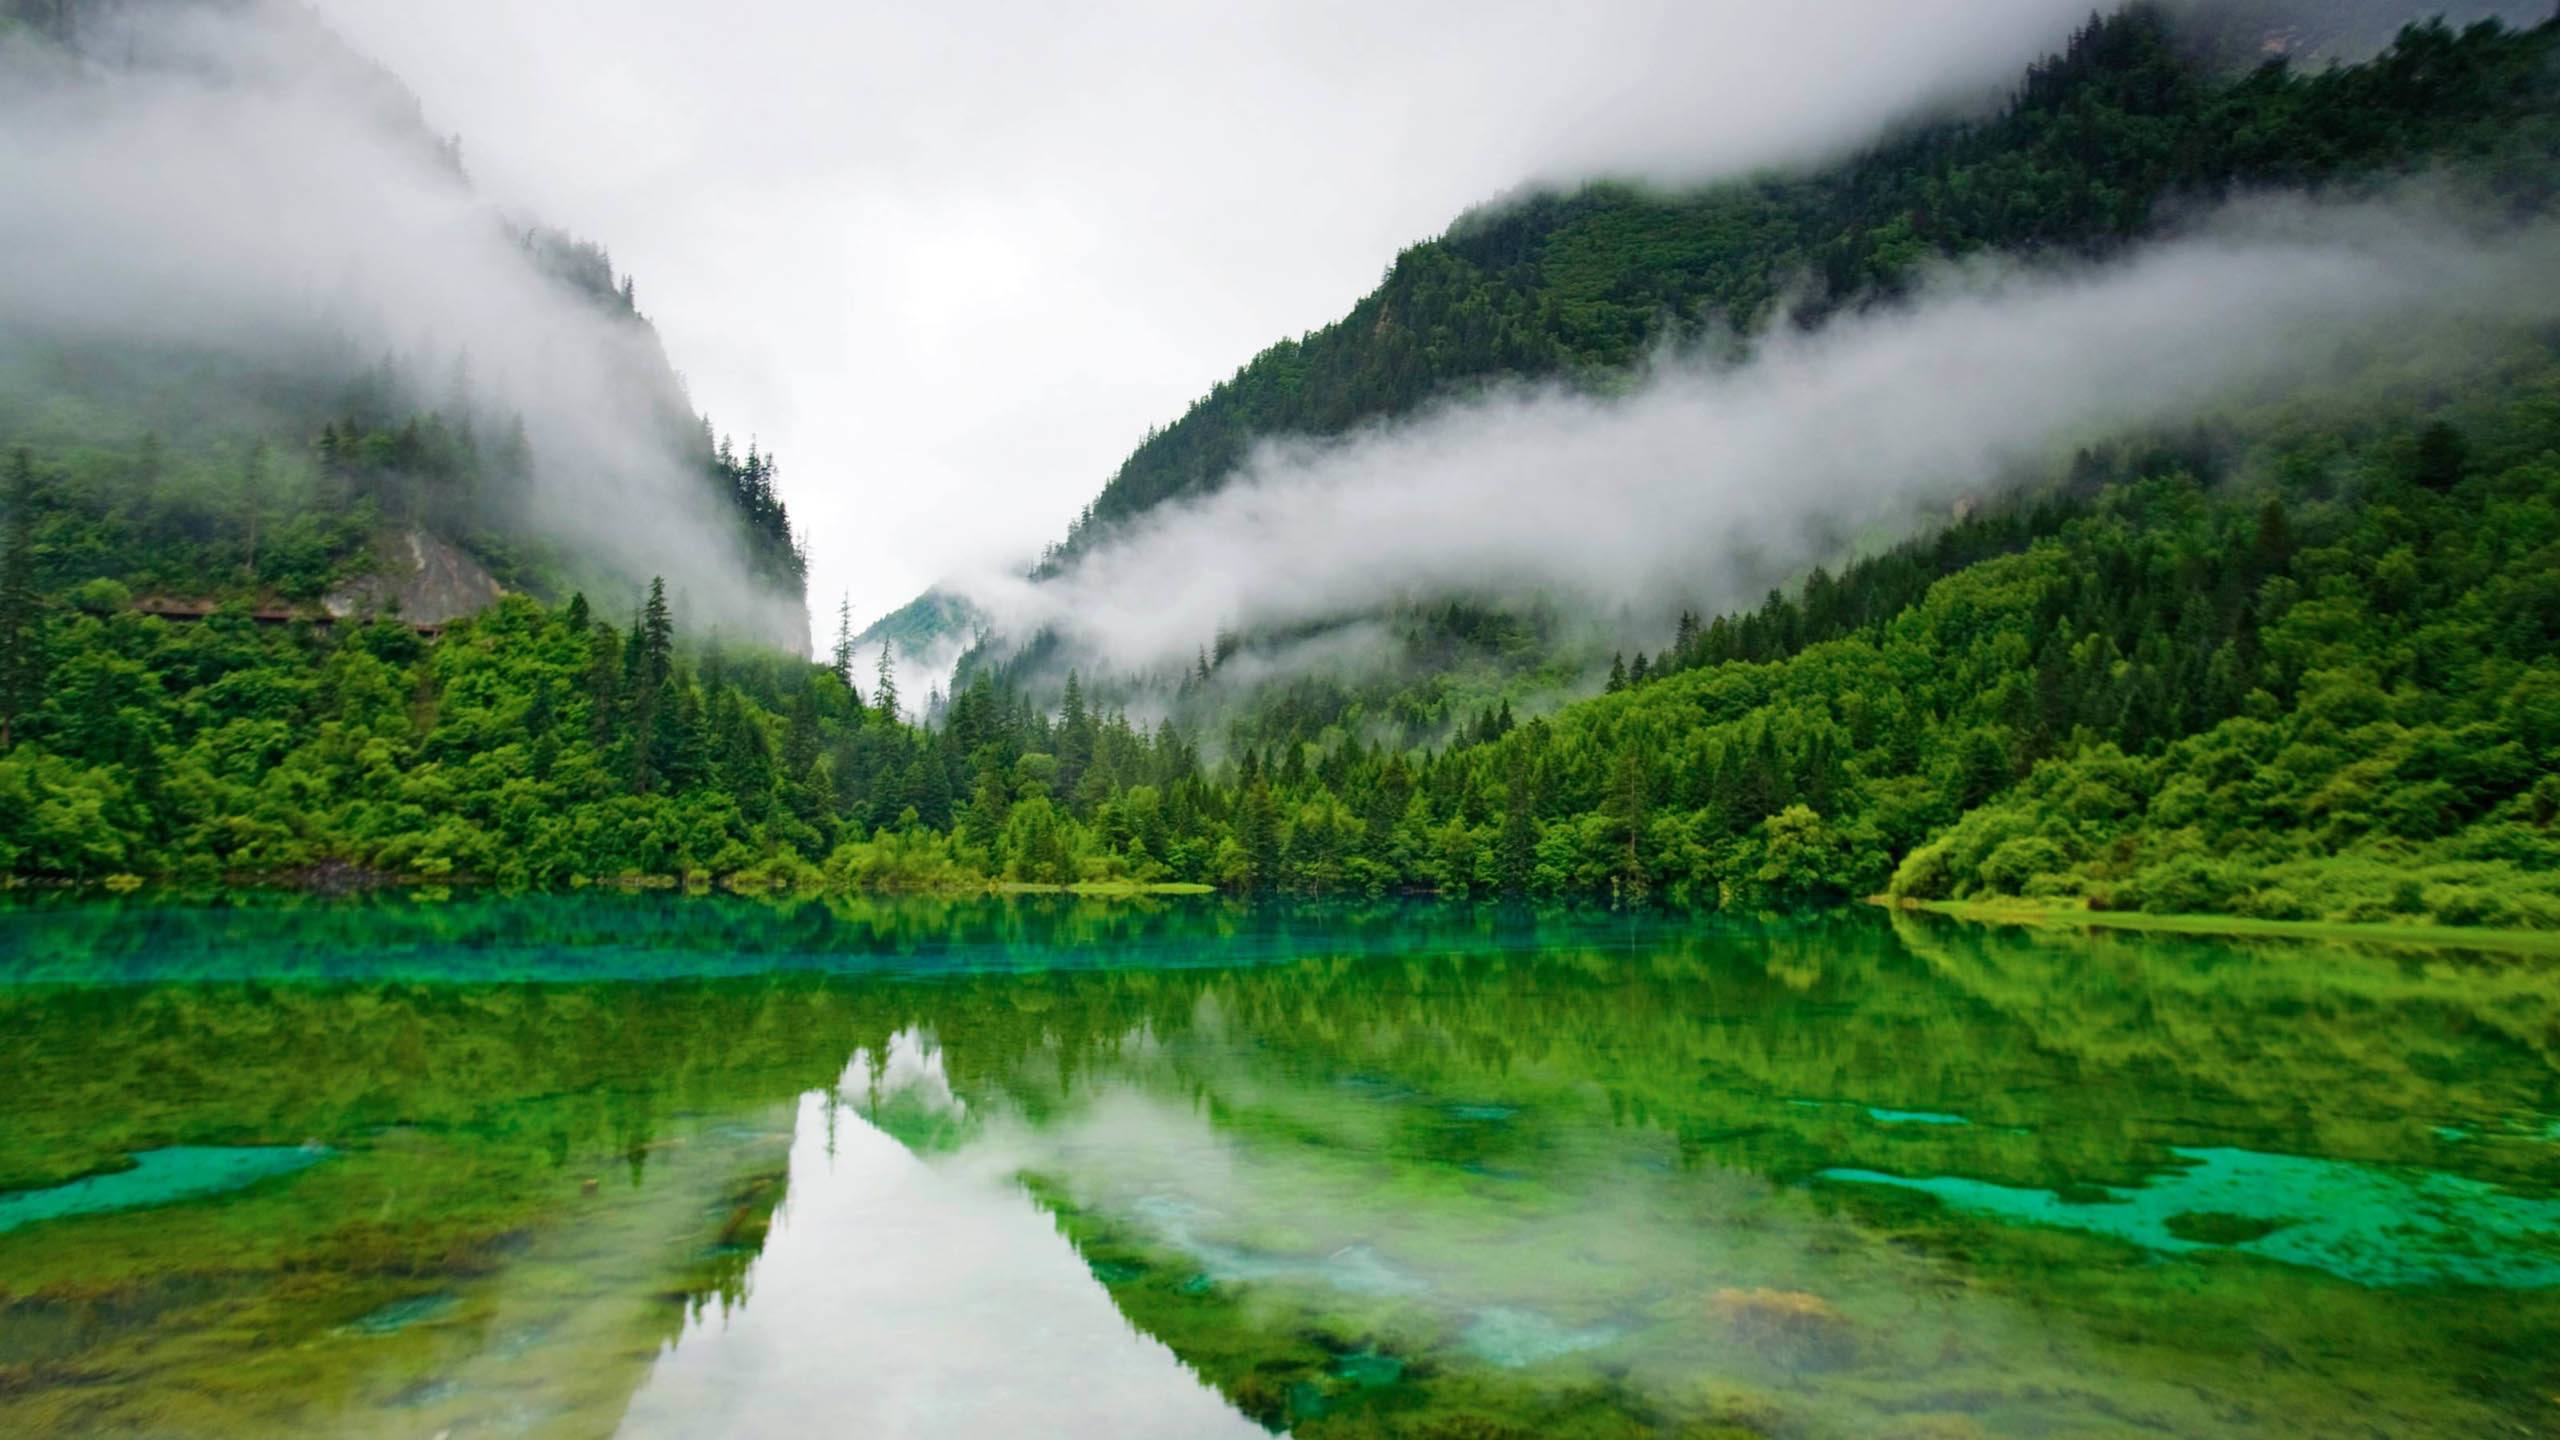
(1121, 888)
(2060, 915)
(353, 881)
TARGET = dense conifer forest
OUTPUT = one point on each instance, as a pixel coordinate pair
(2302, 662)
(2098, 145)
(279, 467)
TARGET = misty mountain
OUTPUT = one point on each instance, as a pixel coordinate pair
(2320, 32)
(267, 342)
(2139, 496)
(2142, 129)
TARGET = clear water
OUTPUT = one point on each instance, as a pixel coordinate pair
(656, 1166)
(2371, 1224)
(156, 1177)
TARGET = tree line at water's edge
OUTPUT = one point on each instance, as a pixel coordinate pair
(2324, 685)
(2303, 663)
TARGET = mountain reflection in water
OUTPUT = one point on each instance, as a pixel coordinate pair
(659, 1166)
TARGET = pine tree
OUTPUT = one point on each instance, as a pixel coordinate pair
(656, 727)
(1258, 833)
(884, 694)
(1630, 785)
(1075, 738)
(933, 794)
(1982, 767)
(253, 501)
(514, 460)
(21, 635)
(844, 650)
(657, 637)
(681, 746)
(1516, 847)
(2441, 456)
(603, 684)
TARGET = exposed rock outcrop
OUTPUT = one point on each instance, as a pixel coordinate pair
(423, 579)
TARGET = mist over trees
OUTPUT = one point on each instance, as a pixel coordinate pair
(257, 328)
(1552, 314)
(2290, 651)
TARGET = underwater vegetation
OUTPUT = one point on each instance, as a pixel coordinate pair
(564, 1166)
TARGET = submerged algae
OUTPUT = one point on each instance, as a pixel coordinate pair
(158, 1177)
(2363, 1223)
(1522, 1176)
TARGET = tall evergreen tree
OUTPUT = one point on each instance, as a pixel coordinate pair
(884, 693)
(1258, 835)
(843, 655)
(1516, 847)
(654, 720)
(1629, 803)
(657, 636)
(21, 632)
(253, 503)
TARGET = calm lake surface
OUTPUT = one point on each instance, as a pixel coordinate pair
(656, 1166)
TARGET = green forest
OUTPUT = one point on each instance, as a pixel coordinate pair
(2301, 663)
(2097, 146)
(284, 469)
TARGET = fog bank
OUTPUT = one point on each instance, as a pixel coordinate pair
(227, 180)
(1709, 481)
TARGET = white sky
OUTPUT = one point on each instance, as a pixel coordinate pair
(952, 259)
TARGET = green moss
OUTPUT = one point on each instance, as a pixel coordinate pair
(2453, 935)
(1368, 1171)
(157, 1177)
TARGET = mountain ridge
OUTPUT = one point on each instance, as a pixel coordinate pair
(1580, 286)
(415, 360)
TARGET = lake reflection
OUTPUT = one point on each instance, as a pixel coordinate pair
(655, 1166)
(902, 1297)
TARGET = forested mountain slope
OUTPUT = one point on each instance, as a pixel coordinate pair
(2128, 137)
(2097, 140)
(261, 340)
(2321, 680)
(2302, 661)
(2130, 127)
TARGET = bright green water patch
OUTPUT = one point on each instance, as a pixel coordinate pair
(2363, 1223)
(158, 1177)
(2078, 915)
(1913, 1117)
(1369, 1369)
(655, 1166)
(399, 1315)
(1514, 1338)
(1883, 1115)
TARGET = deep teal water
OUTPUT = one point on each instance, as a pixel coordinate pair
(664, 1165)
(2374, 1225)
(156, 1177)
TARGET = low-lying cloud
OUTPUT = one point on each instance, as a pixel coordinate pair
(1710, 481)
(228, 180)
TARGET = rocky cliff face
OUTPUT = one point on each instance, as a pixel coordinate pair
(423, 579)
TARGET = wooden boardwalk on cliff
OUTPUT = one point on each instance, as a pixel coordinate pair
(169, 609)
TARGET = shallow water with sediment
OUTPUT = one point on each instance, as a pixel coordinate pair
(657, 1165)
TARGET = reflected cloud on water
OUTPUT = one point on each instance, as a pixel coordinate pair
(662, 1168)
(900, 1296)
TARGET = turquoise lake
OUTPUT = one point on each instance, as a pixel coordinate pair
(653, 1165)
